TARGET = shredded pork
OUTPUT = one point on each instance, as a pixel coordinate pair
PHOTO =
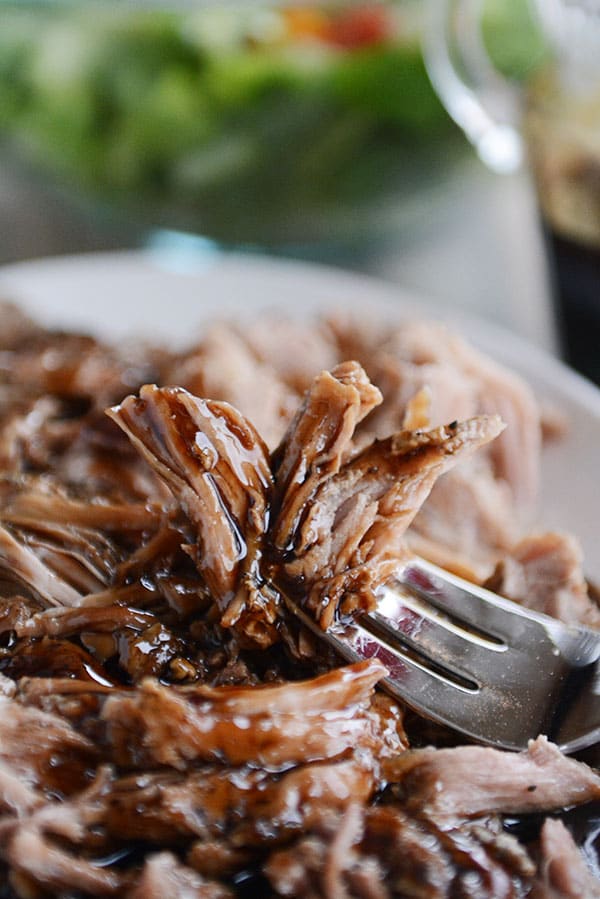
(166, 727)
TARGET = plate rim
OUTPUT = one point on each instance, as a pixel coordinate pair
(508, 347)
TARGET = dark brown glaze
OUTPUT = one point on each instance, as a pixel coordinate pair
(382, 853)
(217, 466)
(265, 726)
(50, 657)
(252, 806)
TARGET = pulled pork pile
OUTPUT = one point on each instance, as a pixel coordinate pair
(166, 728)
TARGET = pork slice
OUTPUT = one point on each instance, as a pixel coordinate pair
(411, 857)
(469, 781)
(487, 862)
(8, 688)
(66, 622)
(563, 871)
(53, 657)
(452, 395)
(144, 645)
(317, 865)
(42, 748)
(159, 725)
(469, 512)
(106, 465)
(496, 390)
(16, 610)
(352, 684)
(225, 368)
(26, 421)
(394, 476)
(217, 466)
(18, 796)
(351, 535)
(17, 329)
(142, 594)
(382, 852)
(294, 349)
(157, 555)
(30, 689)
(516, 456)
(34, 501)
(37, 860)
(544, 572)
(77, 702)
(422, 860)
(85, 559)
(71, 819)
(314, 445)
(77, 367)
(72, 569)
(297, 870)
(242, 806)
(217, 859)
(300, 796)
(164, 875)
(21, 563)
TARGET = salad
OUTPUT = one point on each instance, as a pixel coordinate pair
(246, 122)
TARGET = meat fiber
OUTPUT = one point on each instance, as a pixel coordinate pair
(351, 534)
(163, 875)
(564, 874)
(544, 573)
(472, 780)
(382, 853)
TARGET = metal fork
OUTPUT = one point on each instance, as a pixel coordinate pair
(476, 662)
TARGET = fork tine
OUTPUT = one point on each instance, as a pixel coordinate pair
(482, 713)
(400, 619)
(475, 662)
(495, 617)
(492, 712)
(478, 712)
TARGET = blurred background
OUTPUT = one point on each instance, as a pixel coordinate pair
(304, 130)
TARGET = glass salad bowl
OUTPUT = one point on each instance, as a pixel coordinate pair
(249, 123)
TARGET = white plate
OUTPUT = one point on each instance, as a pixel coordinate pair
(169, 295)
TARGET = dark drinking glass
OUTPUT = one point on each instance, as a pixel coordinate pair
(562, 130)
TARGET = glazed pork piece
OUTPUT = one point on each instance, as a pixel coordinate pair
(325, 517)
(166, 728)
(456, 783)
(564, 874)
(544, 572)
